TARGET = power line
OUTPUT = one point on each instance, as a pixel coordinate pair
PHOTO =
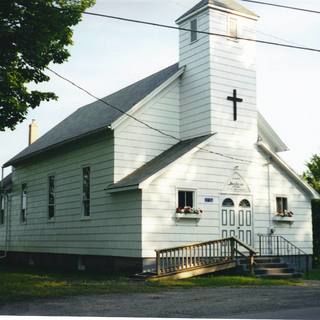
(201, 32)
(282, 6)
(138, 120)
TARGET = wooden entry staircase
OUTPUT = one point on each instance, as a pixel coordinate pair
(277, 258)
(201, 258)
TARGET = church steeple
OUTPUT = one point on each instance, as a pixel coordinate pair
(218, 88)
(227, 5)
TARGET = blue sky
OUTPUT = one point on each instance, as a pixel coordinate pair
(108, 55)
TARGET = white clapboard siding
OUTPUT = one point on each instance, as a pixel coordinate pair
(195, 84)
(114, 225)
(136, 144)
(160, 229)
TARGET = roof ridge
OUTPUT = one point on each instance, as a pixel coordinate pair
(96, 115)
(224, 4)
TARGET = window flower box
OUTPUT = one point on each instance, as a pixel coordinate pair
(188, 213)
(285, 216)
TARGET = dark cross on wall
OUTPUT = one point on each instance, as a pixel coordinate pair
(235, 100)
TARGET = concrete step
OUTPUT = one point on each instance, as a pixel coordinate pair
(142, 276)
(280, 275)
(270, 271)
(267, 260)
(271, 265)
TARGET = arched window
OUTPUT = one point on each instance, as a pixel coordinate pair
(244, 203)
(228, 203)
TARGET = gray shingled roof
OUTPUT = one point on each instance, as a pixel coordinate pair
(7, 182)
(96, 116)
(226, 4)
(159, 163)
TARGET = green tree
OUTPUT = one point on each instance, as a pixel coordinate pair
(312, 174)
(33, 33)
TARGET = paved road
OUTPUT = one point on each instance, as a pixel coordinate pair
(252, 303)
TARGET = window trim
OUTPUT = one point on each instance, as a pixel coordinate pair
(83, 216)
(281, 196)
(23, 221)
(195, 197)
(52, 219)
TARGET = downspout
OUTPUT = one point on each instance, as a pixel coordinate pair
(6, 218)
(270, 229)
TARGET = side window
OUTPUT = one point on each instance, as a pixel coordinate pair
(186, 199)
(282, 204)
(51, 197)
(2, 204)
(23, 215)
(232, 27)
(194, 29)
(86, 191)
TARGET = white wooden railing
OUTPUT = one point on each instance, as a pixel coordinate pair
(183, 258)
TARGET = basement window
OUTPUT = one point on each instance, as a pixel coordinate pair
(194, 30)
(23, 216)
(282, 204)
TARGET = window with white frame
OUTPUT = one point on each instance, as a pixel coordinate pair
(24, 203)
(186, 198)
(232, 27)
(194, 30)
(2, 206)
(282, 204)
(86, 191)
(51, 197)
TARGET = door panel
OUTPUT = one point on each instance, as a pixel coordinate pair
(236, 218)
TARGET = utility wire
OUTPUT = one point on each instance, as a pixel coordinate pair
(201, 32)
(140, 121)
(282, 6)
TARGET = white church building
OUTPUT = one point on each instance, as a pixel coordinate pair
(188, 159)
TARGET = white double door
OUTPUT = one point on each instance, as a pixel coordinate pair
(236, 217)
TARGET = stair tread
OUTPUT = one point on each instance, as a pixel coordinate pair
(272, 265)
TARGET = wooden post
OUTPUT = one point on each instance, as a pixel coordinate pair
(232, 249)
(158, 262)
(251, 262)
(260, 248)
(307, 266)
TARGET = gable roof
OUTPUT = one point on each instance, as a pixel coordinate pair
(95, 116)
(313, 193)
(267, 133)
(224, 4)
(154, 166)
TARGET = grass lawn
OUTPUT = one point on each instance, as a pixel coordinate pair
(314, 274)
(21, 284)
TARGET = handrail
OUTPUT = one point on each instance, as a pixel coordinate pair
(192, 244)
(276, 245)
(246, 246)
(292, 245)
(252, 253)
(201, 254)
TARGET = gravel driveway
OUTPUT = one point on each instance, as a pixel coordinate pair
(250, 302)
